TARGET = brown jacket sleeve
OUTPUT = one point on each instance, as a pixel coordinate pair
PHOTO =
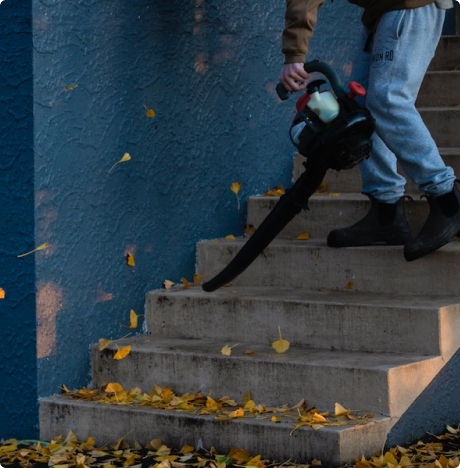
(301, 16)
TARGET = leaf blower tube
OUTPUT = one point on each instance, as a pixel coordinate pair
(332, 131)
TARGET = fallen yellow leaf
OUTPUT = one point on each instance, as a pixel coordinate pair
(2, 293)
(168, 284)
(318, 418)
(340, 411)
(130, 260)
(149, 112)
(239, 413)
(275, 192)
(126, 157)
(227, 350)
(40, 247)
(186, 283)
(122, 353)
(303, 236)
(132, 320)
(230, 237)
(281, 346)
(197, 279)
(113, 387)
(235, 188)
(103, 343)
(249, 230)
(70, 87)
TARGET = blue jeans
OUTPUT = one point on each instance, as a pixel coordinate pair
(392, 69)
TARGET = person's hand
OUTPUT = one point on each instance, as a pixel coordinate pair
(294, 77)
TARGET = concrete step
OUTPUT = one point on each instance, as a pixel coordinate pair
(447, 55)
(334, 446)
(378, 383)
(330, 211)
(442, 123)
(313, 265)
(339, 320)
(349, 181)
(440, 88)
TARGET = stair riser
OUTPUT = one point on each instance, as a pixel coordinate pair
(440, 89)
(314, 266)
(109, 423)
(349, 181)
(440, 123)
(447, 55)
(272, 380)
(328, 213)
(339, 326)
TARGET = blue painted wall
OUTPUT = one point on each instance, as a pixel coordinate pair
(18, 363)
(209, 70)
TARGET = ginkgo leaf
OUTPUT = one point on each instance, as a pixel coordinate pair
(318, 418)
(126, 157)
(40, 247)
(303, 236)
(322, 188)
(70, 87)
(130, 260)
(113, 387)
(2, 293)
(197, 279)
(249, 230)
(103, 343)
(167, 284)
(186, 283)
(149, 112)
(275, 192)
(249, 352)
(340, 411)
(235, 188)
(230, 237)
(132, 320)
(281, 346)
(122, 353)
(227, 350)
(239, 413)
(350, 285)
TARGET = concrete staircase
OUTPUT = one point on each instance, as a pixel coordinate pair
(367, 329)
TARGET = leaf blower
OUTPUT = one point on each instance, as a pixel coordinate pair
(332, 131)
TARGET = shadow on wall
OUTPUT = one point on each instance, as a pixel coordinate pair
(435, 408)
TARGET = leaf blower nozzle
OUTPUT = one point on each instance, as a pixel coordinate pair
(332, 131)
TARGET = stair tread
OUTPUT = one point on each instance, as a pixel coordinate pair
(299, 295)
(321, 243)
(334, 445)
(314, 357)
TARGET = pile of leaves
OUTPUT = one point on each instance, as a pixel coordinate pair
(223, 409)
(72, 453)
(432, 452)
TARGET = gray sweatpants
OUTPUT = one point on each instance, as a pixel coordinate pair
(392, 69)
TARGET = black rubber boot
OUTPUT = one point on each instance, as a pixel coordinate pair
(442, 224)
(385, 223)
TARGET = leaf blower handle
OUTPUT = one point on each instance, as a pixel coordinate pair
(316, 66)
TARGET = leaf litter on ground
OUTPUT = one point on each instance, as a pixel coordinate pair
(432, 451)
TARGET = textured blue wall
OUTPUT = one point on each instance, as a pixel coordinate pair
(18, 364)
(209, 70)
